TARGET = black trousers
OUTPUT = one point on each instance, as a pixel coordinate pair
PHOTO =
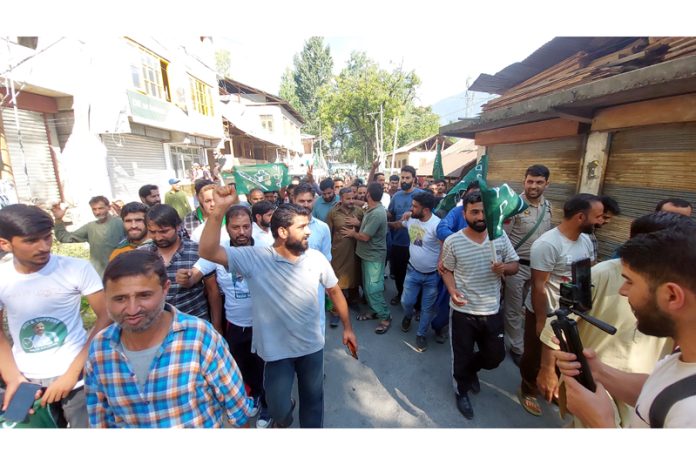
(398, 262)
(250, 364)
(487, 333)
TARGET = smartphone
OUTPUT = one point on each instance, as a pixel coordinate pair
(353, 351)
(582, 278)
(21, 402)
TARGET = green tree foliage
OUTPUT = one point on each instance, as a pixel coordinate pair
(288, 89)
(417, 123)
(312, 70)
(223, 62)
(351, 105)
(343, 109)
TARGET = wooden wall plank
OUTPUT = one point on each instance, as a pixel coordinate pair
(540, 130)
(677, 109)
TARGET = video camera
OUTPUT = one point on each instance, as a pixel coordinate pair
(576, 297)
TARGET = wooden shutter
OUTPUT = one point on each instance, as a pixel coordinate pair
(508, 163)
(647, 165)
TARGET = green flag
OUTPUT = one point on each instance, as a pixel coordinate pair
(267, 177)
(480, 171)
(438, 172)
(499, 204)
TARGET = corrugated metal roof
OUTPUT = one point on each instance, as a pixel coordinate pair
(544, 57)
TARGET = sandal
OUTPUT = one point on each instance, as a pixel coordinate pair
(383, 326)
(366, 316)
(529, 403)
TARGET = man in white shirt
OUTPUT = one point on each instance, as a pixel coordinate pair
(261, 213)
(473, 280)
(41, 295)
(661, 290)
(421, 273)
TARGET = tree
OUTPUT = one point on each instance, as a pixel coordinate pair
(312, 70)
(417, 123)
(351, 105)
(288, 89)
(223, 62)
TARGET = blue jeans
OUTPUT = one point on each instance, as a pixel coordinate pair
(278, 379)
(415, 282)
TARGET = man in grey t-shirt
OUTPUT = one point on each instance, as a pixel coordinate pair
(284, 282)
(551, 260)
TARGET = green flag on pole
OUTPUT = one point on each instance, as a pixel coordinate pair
(438, 172)
(267, 177)
(480, 171)
(499, 204)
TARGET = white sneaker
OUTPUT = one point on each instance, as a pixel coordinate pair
(262, 422)
(255, 404)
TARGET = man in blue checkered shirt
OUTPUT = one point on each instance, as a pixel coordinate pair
(157, 367)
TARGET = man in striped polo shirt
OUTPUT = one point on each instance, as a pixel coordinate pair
(473, 280)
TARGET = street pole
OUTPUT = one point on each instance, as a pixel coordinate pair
(396, 132)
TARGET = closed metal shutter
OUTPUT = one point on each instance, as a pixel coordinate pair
(133, 161)
(647, 165)
(508, 162)
(39, 183)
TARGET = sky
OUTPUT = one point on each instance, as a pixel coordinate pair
(443, 71)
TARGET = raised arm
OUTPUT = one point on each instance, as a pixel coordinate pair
(209, 246)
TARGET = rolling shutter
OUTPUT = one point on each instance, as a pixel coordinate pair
(39, 183)
(508, 163)
(133, 161)
(647, 165)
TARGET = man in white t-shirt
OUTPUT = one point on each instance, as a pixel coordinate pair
(551, 259)
(421, 272)
(41, 295)
(261, 213)
(238, 312)
(473, 280)
(661, 290)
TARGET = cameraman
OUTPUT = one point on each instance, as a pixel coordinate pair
(628, 350)
(661, 290)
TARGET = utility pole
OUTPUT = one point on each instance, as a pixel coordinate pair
(396, 133)
(381, 129)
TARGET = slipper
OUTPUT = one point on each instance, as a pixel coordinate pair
(366, 316)
(383, 326)
(529, 403)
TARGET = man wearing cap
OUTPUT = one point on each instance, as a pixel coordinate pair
(177, 199)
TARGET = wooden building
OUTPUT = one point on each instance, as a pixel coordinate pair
(607, 115)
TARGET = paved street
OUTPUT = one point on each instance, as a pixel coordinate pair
(393, 386)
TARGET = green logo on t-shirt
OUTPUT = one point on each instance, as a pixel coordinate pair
(42, 333)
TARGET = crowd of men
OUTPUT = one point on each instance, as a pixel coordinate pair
(205, 316)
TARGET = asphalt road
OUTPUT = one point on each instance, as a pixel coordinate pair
(394, 386)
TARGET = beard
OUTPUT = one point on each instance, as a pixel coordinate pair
(652, 321)
(164, 243)
(240, 241)
(135, 235)
(417, 216)
(478, 226)
(265, 224)
(406, 185)
(588, 228)
(297, 247)
(532, 194)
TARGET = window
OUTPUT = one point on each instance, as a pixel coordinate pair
(267, 122)
(149, 73)
(201, 95)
